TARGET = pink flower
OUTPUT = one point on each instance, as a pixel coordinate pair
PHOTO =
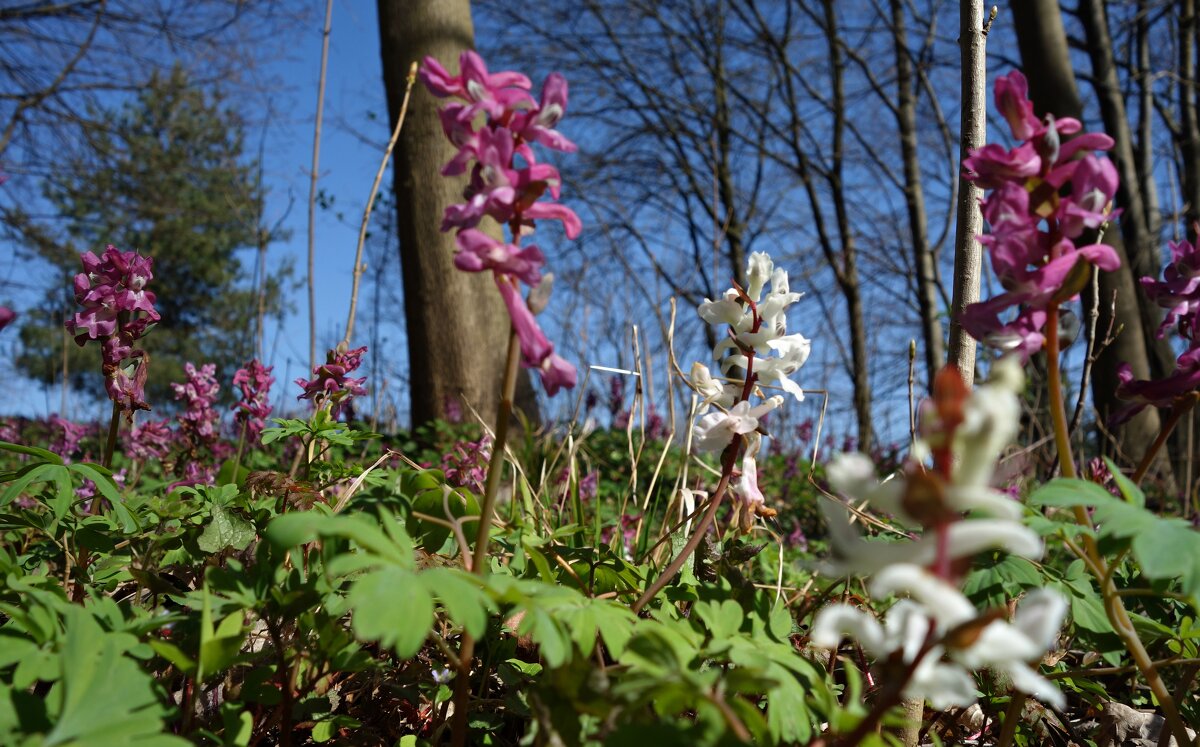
(331, 383)
(493, 93)
(118, 310)
(993, 165)
(537, 125)
(1093, 183)
(535, 348)
(479, 252)
(6, 316)
(1163, 393)
(507, 184)
(1179, 290)
(556, 374)
(149, 440)
(198, 421)
(1033, 219)
(1012, 101)
(254, 381)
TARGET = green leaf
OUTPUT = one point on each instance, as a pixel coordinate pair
(780, 622)
(392, 606)
(175, 655)
(1171, 550)
(225, 529)
(1128, 488)
(27, 476)
(105, 699)
(33, 451)
(102, 478)
(460, 593)
(218, 648)
(1066, 493)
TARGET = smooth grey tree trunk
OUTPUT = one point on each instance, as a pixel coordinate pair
(457, 325)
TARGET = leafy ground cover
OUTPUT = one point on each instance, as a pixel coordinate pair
(700, 580)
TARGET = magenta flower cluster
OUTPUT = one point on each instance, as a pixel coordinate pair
(151, 440)
(465, 465)
(117, 311)
(6, 316)
(67, 436)
(331, 383)
(199, 421)
(1179, 293)
(506, 184)
(254, 382)
(1045, 193)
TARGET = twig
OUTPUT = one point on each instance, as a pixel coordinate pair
(312, 189)
(366, 219)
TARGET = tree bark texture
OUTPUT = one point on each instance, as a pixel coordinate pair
(1043, 44)
(457, 325)
(914, 198)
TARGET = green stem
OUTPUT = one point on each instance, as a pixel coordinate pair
(1058, 409)
(466, 653)
(110, 445)
(237, 460)
(496, 464)
(727, 460)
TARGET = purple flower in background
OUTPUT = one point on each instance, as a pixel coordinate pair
(589, 485)
(507, 184)
(1034, 219)
(1163, 393)
(331, 383)
(1179, 290)
(118, 311)
(465, 466)
(150, 440)
(1179, 293)
(254, 382)
(199, 421)
(6, 316)
(67, 436)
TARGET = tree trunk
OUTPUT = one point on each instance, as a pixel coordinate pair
(1141, 246)
(456, 322)
(848, 279)
(968, 255)
(1189, 140)
(1043, 44)
(914, 198)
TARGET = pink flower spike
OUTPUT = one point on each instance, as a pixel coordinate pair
(554, 211)
(556, 374)
(1012, 100)
(479, 252)
(992, 165)
(6, 316)
(535, 348)
(538, 124)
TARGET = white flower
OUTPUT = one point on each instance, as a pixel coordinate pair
(935, 607)
(757, 273)
(704, 383)
(748, 484)
(716, 430)
(727, 310)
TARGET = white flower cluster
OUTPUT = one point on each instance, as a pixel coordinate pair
(936, 622)
(758, 344)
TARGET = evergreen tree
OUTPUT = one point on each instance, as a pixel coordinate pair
(170, 180)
